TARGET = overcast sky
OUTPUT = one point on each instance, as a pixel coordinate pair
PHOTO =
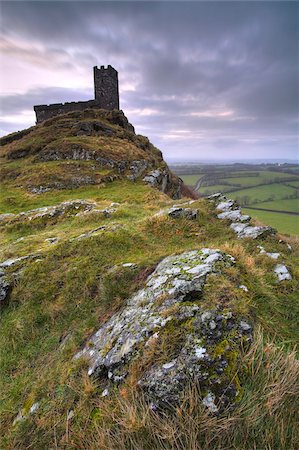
(202, 80)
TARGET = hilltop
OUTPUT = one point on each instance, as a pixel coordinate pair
(133, 314)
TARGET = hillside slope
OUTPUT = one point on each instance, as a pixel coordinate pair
(130, 320)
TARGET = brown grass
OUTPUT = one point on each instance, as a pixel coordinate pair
(265, 419)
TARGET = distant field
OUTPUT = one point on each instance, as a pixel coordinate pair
(262, 193)
(264, 177)
(255, 188)
(191, 179)
(291, 205)
(207, 190)
(284, 223)
(294, 183)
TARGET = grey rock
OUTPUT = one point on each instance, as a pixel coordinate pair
(162, 180)
(6, 216)
(216, 197)
(5, 288)
(282, 272)
(52, 240)
(244, 230)
(234, 216)
(70, 415)
(145, 317)
(271, 255)
(245, 327)
(187, 213)
(70, 207)
(209, 402)
(34, 408)
(227, 205)
(231, 211)
(12, 261)
(243, 287)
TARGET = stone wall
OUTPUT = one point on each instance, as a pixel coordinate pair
(106, 96)
(44, 112)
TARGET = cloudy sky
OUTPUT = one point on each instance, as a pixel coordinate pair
(202, 80)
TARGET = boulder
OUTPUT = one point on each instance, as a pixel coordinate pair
(210, 339)
(187, 213)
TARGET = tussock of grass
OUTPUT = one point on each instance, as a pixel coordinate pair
(265, 417)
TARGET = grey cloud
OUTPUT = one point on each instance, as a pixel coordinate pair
(183, 57)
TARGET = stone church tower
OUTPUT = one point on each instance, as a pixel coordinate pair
(106, 87)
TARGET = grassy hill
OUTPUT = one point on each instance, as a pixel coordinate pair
(84, 259)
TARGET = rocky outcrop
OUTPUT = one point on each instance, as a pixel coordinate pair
(187, 213)
(209, 346)
(240, 223)
(69, 208)
(10, 271)
(165, 181)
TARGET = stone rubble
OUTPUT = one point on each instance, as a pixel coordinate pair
(171, 297)
(231, 211)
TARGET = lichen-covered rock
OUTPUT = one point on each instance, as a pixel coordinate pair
(227, 205)
(171, 297)
(187, 213)
(165, 181)
(244, 230)
(205, 357)
(231, 211)
(137, 168)
(234, 216)
(282, 272)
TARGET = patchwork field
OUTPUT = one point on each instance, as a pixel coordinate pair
(258, 187)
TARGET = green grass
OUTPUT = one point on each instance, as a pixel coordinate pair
(284, 223)
(191, 180)
(264, 177)
(291, 205)
(207, 190)
(294, 183)
(14, 200)
(261, 193)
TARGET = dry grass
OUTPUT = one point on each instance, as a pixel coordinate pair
(265, 419)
